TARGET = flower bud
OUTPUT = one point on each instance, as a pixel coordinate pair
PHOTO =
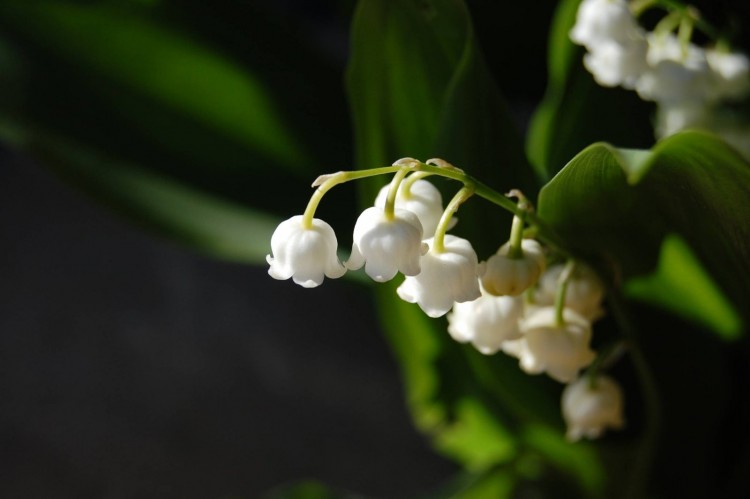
(512, 276)
(590, 406)
(584, 292)
(732, 71)
(600, 21)
(386, 246)
(677, 73)
(305, 254)
(448, 276)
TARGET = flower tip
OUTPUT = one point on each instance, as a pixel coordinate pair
(322, 178)
(405, 161)
(441, 163)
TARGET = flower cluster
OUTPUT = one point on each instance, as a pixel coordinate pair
(689, 84)
(512, 302)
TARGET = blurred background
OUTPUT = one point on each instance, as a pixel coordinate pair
(144, 351)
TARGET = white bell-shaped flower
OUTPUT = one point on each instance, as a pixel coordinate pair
(590, 406)
(560, 351)
(614, 63)
(423, 199)
(674, 117)
(447, 276)
(386, 246)
(600, 21)
(512, 276)
(676, 73)
(732, 71)
(486, 322)
(584, 293)
(305, 254)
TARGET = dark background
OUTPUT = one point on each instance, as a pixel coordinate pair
(131, 367)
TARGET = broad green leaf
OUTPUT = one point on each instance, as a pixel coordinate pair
(419, 87)
(211, 225)
(162, 65)
(580, 460)
(143, 86)
(619, 206)
(681, 285)
(576, 111)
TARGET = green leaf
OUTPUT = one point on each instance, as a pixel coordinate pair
(163, 66)
(619, 206)
(419, 87)
(681, 285)
(576, 111)
(143, 86)
(209, 224)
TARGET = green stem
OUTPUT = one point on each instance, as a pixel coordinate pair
(515, 251)
(685, 33)
(324, 183)
(406, 186)
(545, 234)
(390, 202)
(638, 7)
(605, 359)
(682, 10)
(668, 23)
(562, 289)
(643, 463)
(438, 244)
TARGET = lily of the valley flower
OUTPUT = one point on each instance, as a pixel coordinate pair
(617, 64)
(486, 322)
(600, 21)
(504, 275)
(590, 406)
(423, 199)
(584, 292)
(447, 276)
(304, 254)
(732, 71)
(677, 72)
(560, 350)
(385, 246)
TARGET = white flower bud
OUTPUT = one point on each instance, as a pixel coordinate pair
(614, 63)
(584, 292)
(674, 117)
(447, 277)
(600, 21)
(589, 407)
(424, 200)
(304, 254)
(486, 322)
(386, 246)
(676, 73)
(732, 72)
(512, 276)
(560, 351)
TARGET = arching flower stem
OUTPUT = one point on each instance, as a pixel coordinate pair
(409, 181)
(465, 193)
(325, 182)
(562, 288)
(390, 202)
(605, 359)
